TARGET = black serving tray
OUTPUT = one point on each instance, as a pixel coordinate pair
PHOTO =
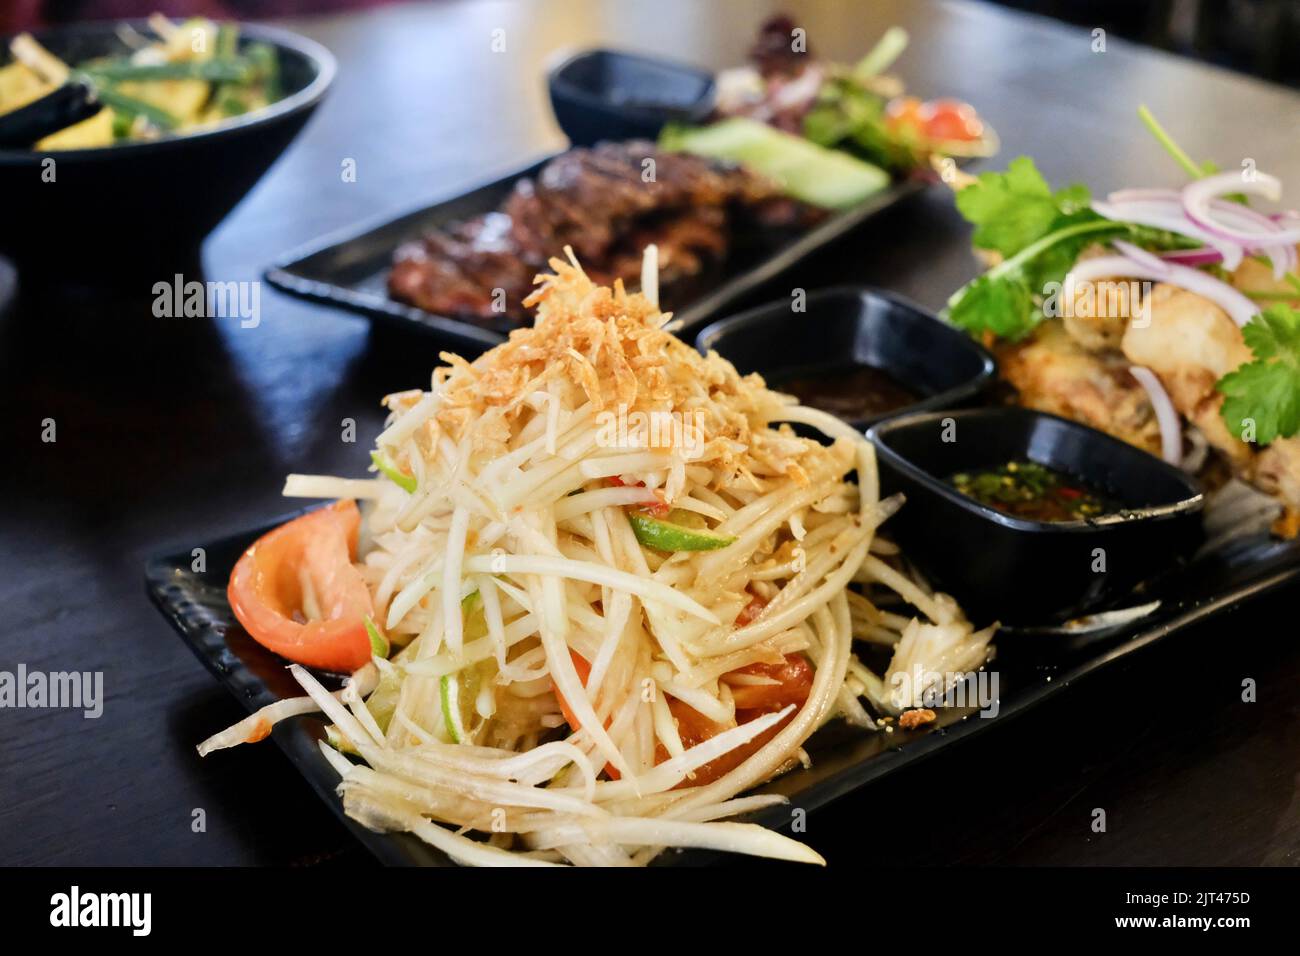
(1031, 666)
(350, 268)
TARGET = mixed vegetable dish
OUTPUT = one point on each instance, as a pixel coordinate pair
(185, 77)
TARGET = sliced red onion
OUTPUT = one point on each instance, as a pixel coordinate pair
(1238, 306)
(1142, 257)
(1244, 216)
(1164, 209)
(1198, 450)
(1288, 215)
(1121, 196)
(1171, 423)
(1198, 198)
(1280, 254)
(1166, 213)
(1290, 261)
(1204, 256)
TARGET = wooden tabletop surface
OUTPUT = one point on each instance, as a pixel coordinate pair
(173, 432)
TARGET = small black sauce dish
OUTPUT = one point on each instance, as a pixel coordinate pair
(858, 353)
(607, 95)
(1020, 571)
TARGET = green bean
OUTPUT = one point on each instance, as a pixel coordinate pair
(267, 62)
(227, 41)
(232, 70)
(109, 96)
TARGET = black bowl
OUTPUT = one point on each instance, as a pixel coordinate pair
(604, 94)
(117, 213)
(848, 326)
(1012, 569)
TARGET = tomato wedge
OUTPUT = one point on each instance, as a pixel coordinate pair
(583, 667)
(904, 113)
(939, 121)
(951, 121)
(793, 676)
(313, 553)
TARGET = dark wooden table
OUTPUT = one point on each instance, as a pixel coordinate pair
(171, 432)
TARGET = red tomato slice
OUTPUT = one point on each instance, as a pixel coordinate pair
(904, 112)
(950, 120)
(794, 676)
(583, 668)
(938, 121)
(266, 590)
(694, 728)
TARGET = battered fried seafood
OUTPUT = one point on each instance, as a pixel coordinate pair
(1116, 313)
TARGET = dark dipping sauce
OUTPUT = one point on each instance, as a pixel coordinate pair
(852, 392)
(1026, 489)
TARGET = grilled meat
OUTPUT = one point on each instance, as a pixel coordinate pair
(607, 203)
(456, 271)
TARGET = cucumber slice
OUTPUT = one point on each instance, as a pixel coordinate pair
(680, 531)
(823, 177)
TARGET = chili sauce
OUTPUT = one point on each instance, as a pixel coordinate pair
(1026, 489)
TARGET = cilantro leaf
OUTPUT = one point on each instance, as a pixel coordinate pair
(1266, 392)
(1040, 234)
(1004, 307)
(1010, 210)
(1007, 300)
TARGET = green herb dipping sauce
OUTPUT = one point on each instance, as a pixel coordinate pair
(1026, 489)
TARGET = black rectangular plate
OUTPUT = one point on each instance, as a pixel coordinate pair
(350, 268)
(1031, 669)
